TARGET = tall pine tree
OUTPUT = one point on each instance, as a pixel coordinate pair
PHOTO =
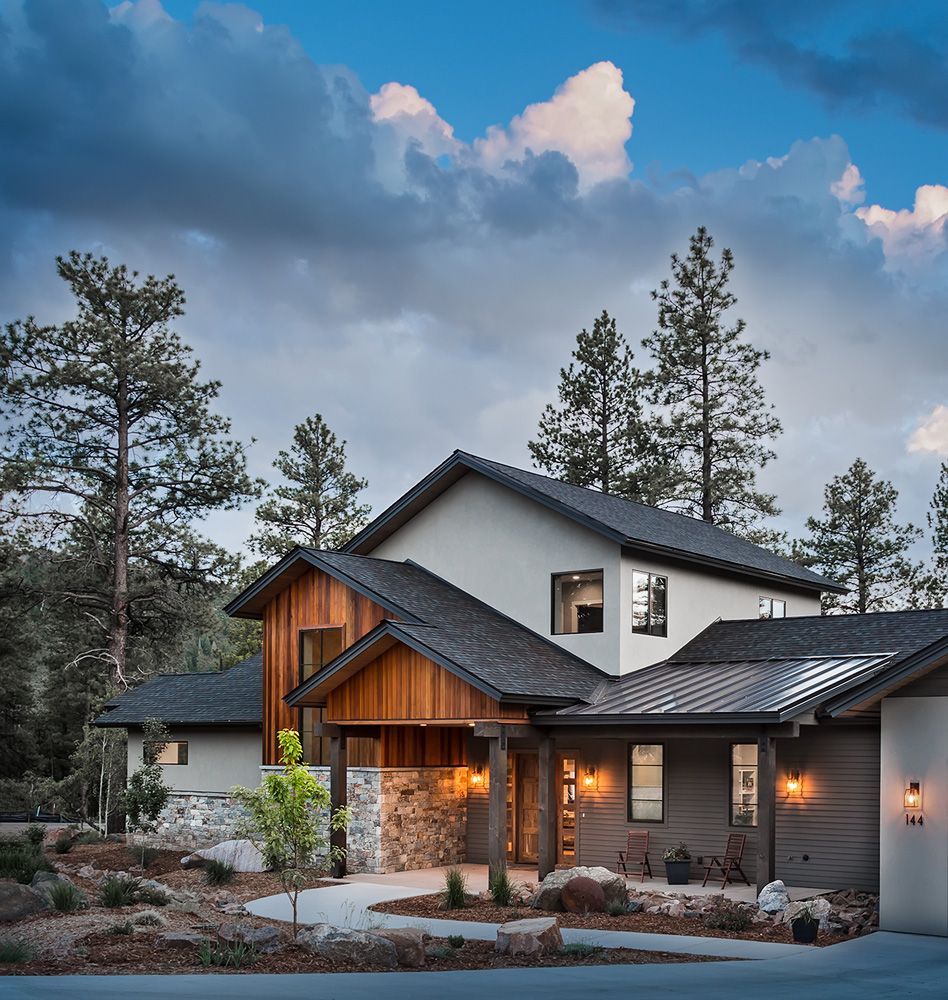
(596, 436)
(859, 543)
(938, 523)
(317, 504)
(716, 423)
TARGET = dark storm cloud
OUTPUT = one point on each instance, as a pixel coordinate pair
(846, 51)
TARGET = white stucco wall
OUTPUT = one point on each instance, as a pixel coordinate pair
(218, 759)
(914, 859)
(503, 548)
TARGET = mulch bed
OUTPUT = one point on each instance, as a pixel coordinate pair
(647, 923)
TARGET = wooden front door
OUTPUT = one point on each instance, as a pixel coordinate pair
(528, 810)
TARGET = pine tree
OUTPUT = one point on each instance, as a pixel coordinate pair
(317, 504)
(596, 436)
(937, 582)
(111, 449)
(858, 543)
(716, 422)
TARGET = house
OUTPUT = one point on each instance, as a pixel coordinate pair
(505, 669)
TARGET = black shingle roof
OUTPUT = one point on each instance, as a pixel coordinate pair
(628, 523)
(230, 697)
(507, 656)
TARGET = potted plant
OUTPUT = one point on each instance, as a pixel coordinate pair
(805, 924)
(677, 864)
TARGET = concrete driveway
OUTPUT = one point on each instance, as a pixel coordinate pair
(879, 966)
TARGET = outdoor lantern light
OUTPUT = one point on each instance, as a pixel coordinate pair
(589, 778)
(912, 799)
(794, 783)
(477, 776)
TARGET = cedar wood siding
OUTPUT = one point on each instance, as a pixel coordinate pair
(835, 822)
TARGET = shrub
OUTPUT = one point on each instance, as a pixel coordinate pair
(66, 897)
(456, 940)
(234, 955)
(14, 951)
(21, 861)
(616, 908)
(143, 856)
(441, 951)
(218, 873)
(90, 837)
(119, 890)
(726, 915)
(63, 845)
(149, 918)
(502, 889)
(455, 889)
(679, 853)
(580, 949)
(125, 927)
(152, 896)
(35, 833)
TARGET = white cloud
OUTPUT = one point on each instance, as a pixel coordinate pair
(850, 188)
(911, 236)
(931, 435)
(589, 119)
(413, 117)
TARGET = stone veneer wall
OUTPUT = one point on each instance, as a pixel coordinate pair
(403, 818)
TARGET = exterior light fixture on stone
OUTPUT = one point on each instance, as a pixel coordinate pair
(477, 776)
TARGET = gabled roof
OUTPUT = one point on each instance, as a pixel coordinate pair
(231, 697)
(456, 630)
(635, 525)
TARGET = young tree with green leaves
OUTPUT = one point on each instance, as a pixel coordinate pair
(596, 435)
(146, 793)
(859, 543)
(716, 424)
(318, 503)
(111, 450)
(286, 819)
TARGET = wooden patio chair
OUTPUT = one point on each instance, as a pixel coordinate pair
(730, 862)
(635, 855)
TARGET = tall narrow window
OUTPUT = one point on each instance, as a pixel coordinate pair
(317, 647)
(770, 607)
(567, 817)
(577, 602)
(743, 784)
(649, 603)
(646, 783)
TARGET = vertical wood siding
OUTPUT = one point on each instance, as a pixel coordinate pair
(414, 746)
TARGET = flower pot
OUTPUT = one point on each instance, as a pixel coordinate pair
(805, 931)
(677, 872)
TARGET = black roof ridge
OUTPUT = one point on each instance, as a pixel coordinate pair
(863, 615)
(500, 614)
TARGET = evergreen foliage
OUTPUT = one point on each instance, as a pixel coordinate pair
(146, 794)
(317, 503)
(937, 579)
(596, 436)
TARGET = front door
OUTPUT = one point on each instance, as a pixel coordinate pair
(528, 808)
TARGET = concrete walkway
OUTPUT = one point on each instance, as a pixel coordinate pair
(346, 905)
(880, 966)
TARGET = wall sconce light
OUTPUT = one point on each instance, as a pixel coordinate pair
(794, 784)
(477, 776)
(912, 800)
(590, 779)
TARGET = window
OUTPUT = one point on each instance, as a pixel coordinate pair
(743, 784)
(567, 817)
(577, 602)
(646, 783)
(649, 604)
(317, 647)
(175, 752)
(770, 607)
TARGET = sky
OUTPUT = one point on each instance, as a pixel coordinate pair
(401, 215)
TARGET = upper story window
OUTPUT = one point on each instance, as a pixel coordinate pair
(577, 602)
(770, 607)
(743, 784)
(317, 647)
(649, 603)
(175, 752)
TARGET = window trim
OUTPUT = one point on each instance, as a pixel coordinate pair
(771, 600)
(179, 762)
(300, 632)
(628, 783)
(730, 785)
(573, 572)
(648, 627)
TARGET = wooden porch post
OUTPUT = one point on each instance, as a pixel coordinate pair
(338, 793)
(547, 802)
(497, 805)
(766, 810)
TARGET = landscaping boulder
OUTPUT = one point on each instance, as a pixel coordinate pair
(240, 853)
(535, 936)
(549, 892)
(773, 897)
(339, 944)
(819, 906)
(583, 895)
(18, 901)
(409, 945)
(266, 939)
(43, 882)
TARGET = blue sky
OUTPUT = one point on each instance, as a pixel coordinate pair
(400, 215)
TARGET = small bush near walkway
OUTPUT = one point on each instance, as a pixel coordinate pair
(502, 889)
(118, 891)
(234, 955)
(455, 889)
(14, 951)
(218, 873)
(65, 897)
(727, 915)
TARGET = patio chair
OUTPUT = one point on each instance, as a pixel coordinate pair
(634, 859)
(730, 862)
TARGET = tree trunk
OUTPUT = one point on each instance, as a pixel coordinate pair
(707, 507)
(118, 639)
